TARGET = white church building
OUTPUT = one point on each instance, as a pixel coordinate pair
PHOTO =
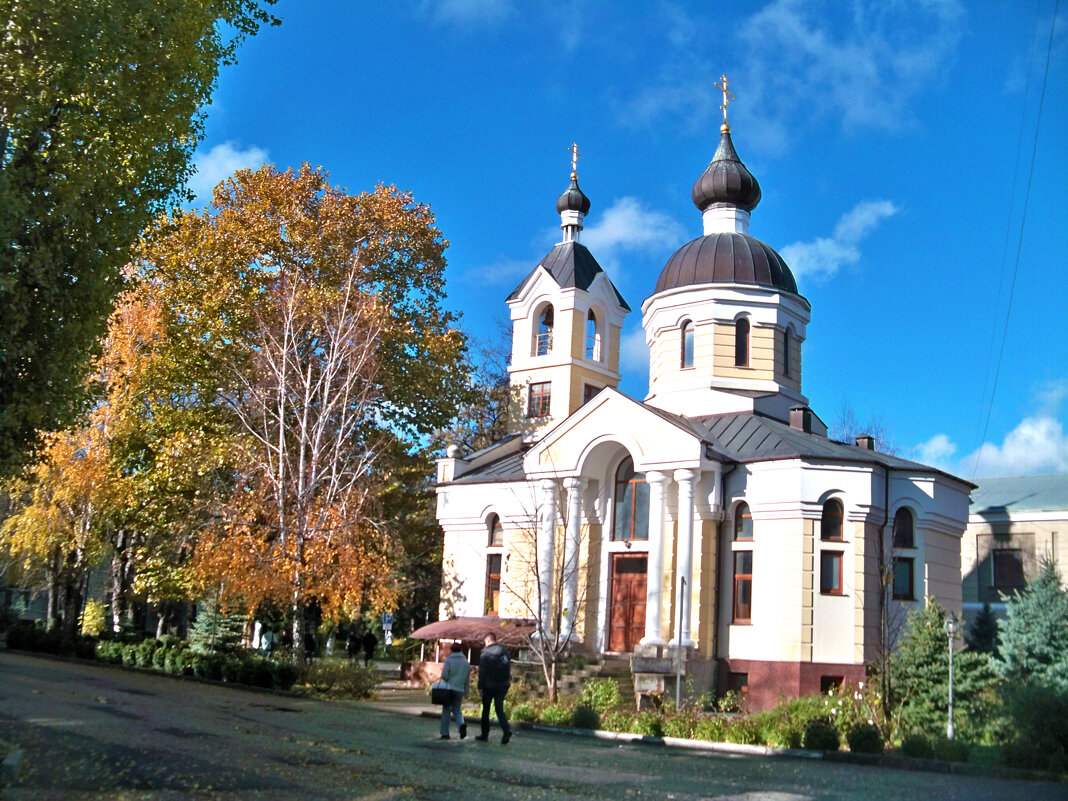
(715, 513)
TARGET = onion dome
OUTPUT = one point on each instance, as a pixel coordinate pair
(726, 257)
(726, 180)
(573, 199)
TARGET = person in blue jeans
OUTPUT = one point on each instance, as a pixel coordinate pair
(494, 679)
(456, 672)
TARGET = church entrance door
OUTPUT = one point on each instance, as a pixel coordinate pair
(627, 616)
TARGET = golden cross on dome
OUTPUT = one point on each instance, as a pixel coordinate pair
(574, 159)
(727, 97)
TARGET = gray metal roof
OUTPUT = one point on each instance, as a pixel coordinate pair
(726, 257)
(1020, 494)
(571, 265)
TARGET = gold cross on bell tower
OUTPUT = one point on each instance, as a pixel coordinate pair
(574, 159)
(727, 98)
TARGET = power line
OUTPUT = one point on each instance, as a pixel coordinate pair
(1019, 244)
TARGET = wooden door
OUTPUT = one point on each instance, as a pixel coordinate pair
(627, 613)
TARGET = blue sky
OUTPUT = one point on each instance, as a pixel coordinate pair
(892, 140)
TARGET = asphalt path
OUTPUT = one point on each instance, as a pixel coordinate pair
(91, 732)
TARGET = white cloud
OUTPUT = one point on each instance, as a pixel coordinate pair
(1037, 445)
(634, 352)
(468, 11)
(861, 64)
(627, 225)
(220, 163)
(500, 273)
(823, 257)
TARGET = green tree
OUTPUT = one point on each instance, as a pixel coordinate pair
(920, 679)
(982, 635)
(101, 107)
(1033, 642)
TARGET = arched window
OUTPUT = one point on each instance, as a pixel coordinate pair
(903, 533)
(593, 337)
(786, 352)
(743, 523)
(631, 519)
(495, 531)
(543, 339)
(741, 343)
(687, 343)
(831, 522)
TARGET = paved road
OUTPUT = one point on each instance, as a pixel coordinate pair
(96, 733)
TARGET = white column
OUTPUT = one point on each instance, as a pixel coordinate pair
(574, 487)
(546, 536)
(684, 580)
(655, 575)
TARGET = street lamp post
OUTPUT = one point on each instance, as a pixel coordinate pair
(951, 626)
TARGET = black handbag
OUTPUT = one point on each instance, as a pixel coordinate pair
(440, 693)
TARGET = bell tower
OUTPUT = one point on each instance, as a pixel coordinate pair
(567, 320)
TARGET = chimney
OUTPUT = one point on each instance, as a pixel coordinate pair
(866, 441)
(801, 419)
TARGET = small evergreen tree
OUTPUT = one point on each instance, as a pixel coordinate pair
(920, 678)
(214, 630)
(1033, 646)
(982, 635)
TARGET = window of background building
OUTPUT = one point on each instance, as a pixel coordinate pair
(589, 391)
(631, 518)
(786, 353)
(538, 400)
(687, 343)
(741, 343)
(496, 531)
(743, 586)
(543, 341)
(493, 583)
(743, 523)
(1008, 570)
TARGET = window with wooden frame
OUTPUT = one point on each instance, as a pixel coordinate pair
(538, 399)
(496, 531)
(686, 357)
(904, 579)
(631, 518)
(904, 536)
(741, 342)
(831, 573)
(743, 587)
(831, 521)
(493, 583)
(743, 523)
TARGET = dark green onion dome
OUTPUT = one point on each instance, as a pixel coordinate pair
(726, 180)
(573, 199)
(726, 257)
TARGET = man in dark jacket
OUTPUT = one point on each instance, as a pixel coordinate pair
(494, 679)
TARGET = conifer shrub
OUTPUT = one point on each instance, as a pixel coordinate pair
(820, 735)
(865, 739)
(585, 718)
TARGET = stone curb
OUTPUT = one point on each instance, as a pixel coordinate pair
(11, 765)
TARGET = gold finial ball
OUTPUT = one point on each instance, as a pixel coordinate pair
(724, 128)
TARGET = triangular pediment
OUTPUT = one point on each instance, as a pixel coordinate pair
(656, 440)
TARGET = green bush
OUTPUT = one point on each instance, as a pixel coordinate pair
(648, 724)
(711, 729)
(820, 735)
(600, 695)
(865, 739)
(332, 678)
(784, 726)
(524, 710)
(555, 715)
(159, 656)
(916, 745)
(129, 655)
(93, 620)
(744, 730)
(681, 725)
(85, 647)
(109, 651)
(145, 651)
(616, 720)
(951, 750)
(730, 702)
(585, 718)
(285, 675)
